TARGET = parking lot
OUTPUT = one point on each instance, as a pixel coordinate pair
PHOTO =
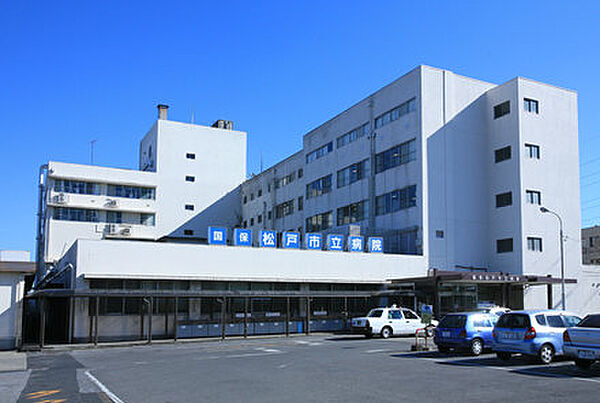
(297, 369)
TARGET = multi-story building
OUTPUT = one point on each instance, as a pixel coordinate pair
(590, 244)
(450, 171)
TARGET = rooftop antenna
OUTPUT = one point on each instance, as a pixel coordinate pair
(192, 118)
(261, 161)
(92, 142)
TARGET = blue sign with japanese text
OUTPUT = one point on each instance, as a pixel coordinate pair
(335, 242)
(217, 235)
(313, 241)
(291, 240)
(355, 243)
(376, 245)
(268, 239)
(242, 237)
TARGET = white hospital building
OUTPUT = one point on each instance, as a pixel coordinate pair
(450, 171)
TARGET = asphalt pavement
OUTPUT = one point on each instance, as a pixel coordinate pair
(317, 368)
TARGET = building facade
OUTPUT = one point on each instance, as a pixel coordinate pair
(590, 244)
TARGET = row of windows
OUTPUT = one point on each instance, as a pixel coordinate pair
(396, 113)
(319, 152)
(506, 245)
(281, 182)
(502, 154)
(319, 222)
(395, 156)
(92, 188)
(318, 187)
(531, 197)
(529, 105)
(284, 209)
(352, 173)
(352, 213)
(113, 217)
(353, 135)
(397, 200)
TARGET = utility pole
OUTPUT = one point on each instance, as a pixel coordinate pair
(562, 256)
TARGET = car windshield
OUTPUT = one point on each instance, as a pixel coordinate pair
(453, 321)
(375, 313)
(590, 321)
(514, 321)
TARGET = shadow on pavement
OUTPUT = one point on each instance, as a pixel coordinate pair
(563, 371)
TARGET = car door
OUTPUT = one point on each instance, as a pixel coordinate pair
(397, 321)
(411, 321)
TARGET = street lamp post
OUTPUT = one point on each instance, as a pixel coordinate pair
(562, 255)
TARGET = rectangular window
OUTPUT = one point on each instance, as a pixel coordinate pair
(534, 244)
(269, 214)
(397, 200)
(533, 197)
(251, 221)
(259, 192)
(300, 203)
(501, 109)
(190, 178)
(439, 234)
(147, 219)
(352, 173)
(396, 113)
(189, 207)
(190, 156)
(114, 217)
(286, 180)
(75, 214)
(504, 245)
(533, 151)
(251, 196)
(531, 105)
(284, 209)
(245, 199)
(352, 213)
(188, 232)
(503, 199)
(502, 154)
(245, 224)
(259, 218)
(300, 173)
(319, 152)
(318, 187)
(77, 187)
(131, 192)
(396, 156)
(353, 135)
(319, 222)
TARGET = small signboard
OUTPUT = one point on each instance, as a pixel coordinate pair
(291, 240)
(217, 235)
(268, 239)
(313, 241)
(335, 242)
(375, 245)
(355, 243)
(242, 237)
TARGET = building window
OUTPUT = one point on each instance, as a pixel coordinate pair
(319, 152)
(351, 174)
(318, 187)
(501, 109)
(286, 180)
(503, 199)
(439, 234)
(189, 207)
(504, 245)
(534, 244)
(190, 156)
(114, 217)
(300, 203)
(269, 214)
(251, 221)
(591, 242)
(300, 173)
(396, 156)
(190, 178)
(259, 192)
(502, 154)
(352, 213)
(251, 196)
(531, 105)
(245, 199)
(131, 192)
(147, 219)
(77, 187)
(259, 218)
(353, 135)
(245, 224)
(397, 200)
(284, 209)
(533, 151)
(188, 232)
(396, 113)
(75, 214)
(533, 197)
(319, 222)
(269, 187)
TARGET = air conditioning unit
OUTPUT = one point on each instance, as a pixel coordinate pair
(112, 203)
(61, 198)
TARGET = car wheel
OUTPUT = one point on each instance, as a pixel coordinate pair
(546, 354)
(443, 349)
(476, 347)
(386, 332)
(503, 355)
(583, 364)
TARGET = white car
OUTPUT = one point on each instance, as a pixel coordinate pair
(388, 321)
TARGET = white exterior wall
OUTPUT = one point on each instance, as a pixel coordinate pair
(12, 288)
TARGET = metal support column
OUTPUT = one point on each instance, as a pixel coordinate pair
(504, 292)
(287, 317)
(142, 308)
(42, 303)
(96, 314)
(71, 318)
(223, 321)
(307, 315)
(245, 317)
(549, 294)
(166, 318)
(346, 313)
(175, 319)
(150, 313)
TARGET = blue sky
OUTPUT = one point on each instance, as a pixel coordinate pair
(74, 71)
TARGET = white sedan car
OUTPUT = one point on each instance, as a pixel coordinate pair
(388, 321)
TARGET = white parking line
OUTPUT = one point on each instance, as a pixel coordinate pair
(103, 388)
(380, 350)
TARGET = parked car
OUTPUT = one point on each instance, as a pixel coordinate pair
(468, 331)
(582, 342)
(497, 311)
(388, 321)
(536, 333)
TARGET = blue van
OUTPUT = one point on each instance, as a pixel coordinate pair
(465, 331)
